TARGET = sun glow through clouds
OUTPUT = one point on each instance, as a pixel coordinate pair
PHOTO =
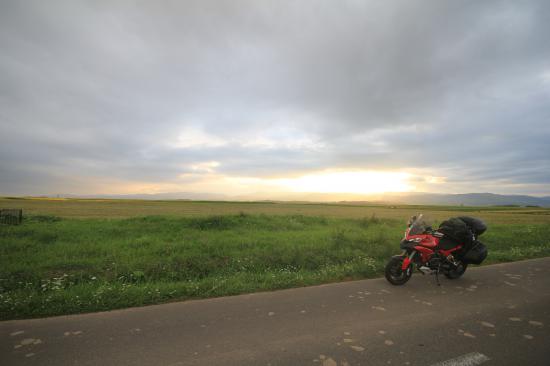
(362, 182)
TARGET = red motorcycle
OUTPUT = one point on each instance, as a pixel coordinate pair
(447, 250)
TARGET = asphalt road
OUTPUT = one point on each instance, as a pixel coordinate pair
(494, 315)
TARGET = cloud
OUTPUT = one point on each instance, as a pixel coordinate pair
(139, 93)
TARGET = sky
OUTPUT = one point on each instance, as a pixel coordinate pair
(273, 97)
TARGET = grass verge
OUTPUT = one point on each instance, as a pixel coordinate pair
(53, 266)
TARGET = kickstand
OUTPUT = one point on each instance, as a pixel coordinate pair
(437, 275)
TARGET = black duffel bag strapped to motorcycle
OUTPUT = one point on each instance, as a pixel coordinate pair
(456, 230)
(477, 226)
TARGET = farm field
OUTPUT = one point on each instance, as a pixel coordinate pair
(72, 256)
(118, 208)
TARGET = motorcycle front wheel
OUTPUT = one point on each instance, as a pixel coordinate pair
(457, 272)
(395, 274)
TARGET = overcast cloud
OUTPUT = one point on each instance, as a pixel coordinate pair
(151, 96)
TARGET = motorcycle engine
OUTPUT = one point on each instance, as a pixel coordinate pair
(434, 262)
(440, 262)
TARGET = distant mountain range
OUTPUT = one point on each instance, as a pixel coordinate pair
(467, 199)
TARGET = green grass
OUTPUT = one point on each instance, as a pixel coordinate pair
(51, 265)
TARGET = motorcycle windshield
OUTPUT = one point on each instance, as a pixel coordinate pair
(418, 225)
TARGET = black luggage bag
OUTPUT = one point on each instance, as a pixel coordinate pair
(477, 226)
(456, 230)
(476, 254)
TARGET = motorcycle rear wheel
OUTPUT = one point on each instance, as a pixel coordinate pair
(395, 274)
(456, 272)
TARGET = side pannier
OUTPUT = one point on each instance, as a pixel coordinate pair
(476, 254)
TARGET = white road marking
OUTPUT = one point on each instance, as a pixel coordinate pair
(378, 308)
(470, 359)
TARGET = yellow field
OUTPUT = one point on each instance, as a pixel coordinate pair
(102, 208)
